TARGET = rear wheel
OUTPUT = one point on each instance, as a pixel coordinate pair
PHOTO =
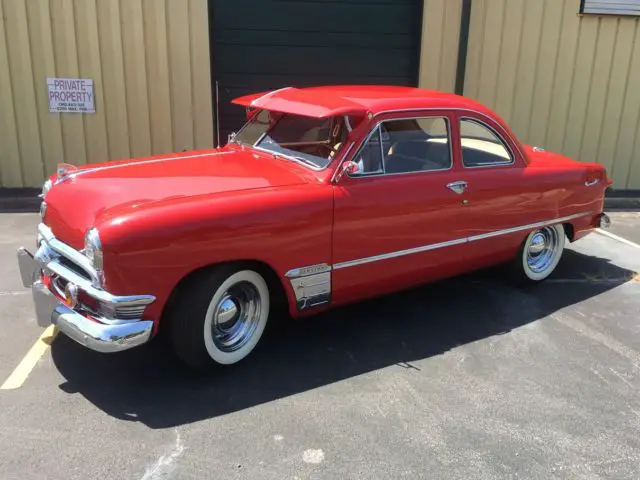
(219, 316)
(539, 254)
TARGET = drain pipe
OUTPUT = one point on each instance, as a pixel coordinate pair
(463, 46)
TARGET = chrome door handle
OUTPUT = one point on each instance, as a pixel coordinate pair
(458, 187)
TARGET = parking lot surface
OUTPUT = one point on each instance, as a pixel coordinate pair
(466, 378)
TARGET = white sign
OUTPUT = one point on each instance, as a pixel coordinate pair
(71, 95)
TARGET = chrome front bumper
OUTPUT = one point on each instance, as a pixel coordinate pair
(101, 337)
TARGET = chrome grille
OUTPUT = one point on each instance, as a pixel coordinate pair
(59, 284)
(52, 248)
(64, 264)
(70, 264)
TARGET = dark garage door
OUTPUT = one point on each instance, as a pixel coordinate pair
(261, 45)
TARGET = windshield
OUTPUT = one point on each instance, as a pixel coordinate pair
(312, 141)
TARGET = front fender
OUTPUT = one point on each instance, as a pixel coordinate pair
(150, 248)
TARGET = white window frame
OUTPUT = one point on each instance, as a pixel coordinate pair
(610, 7)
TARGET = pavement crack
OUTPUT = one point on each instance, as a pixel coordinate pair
(166, 463)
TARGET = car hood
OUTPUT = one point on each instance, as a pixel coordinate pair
(77, 203)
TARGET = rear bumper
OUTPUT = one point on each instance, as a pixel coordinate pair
(101, 337)
(604, 221)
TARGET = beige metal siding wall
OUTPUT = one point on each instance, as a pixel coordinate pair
(149, 61)
(439, 52)
(562, 81)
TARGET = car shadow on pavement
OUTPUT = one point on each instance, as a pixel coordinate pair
(149, 385)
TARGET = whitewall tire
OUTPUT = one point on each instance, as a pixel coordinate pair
(219, 316)
(540, 253)
(236, 317)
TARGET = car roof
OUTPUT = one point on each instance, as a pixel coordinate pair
(344, 99)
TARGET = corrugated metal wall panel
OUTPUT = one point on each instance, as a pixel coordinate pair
(561, 80)
(439, 53)
(10, 166)
(149, 61)
(21, 72)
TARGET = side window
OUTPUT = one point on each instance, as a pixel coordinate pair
(370, 158)
(416, 145)
(481, 146)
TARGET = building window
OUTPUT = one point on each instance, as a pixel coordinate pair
(611, 7)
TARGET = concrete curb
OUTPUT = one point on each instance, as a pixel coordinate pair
(19, 204)
(622, 203)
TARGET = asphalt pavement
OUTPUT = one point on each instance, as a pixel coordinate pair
(466, 378)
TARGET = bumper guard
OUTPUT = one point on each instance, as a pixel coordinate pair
(101, 337)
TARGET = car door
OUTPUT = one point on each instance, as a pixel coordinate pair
(396, 221)
(500, 198)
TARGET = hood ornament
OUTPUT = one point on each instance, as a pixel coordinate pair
(538, 149)
(64, 171)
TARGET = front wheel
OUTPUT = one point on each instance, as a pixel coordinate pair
(539, 254)
(219, 317)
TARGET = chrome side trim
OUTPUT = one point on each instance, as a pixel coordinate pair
(399, 253)
(309, 270)
(530, 226)
(459, 241)
(311, 285)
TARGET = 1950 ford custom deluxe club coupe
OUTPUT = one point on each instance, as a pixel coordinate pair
(326, 196)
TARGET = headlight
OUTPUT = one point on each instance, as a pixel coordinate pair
(93, 248)
(45, 188)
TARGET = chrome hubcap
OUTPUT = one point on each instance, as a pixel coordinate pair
(542, 249)
(236, 317)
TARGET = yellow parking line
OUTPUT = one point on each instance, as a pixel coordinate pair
(24, 368)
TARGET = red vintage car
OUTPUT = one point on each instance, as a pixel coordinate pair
(326, 196)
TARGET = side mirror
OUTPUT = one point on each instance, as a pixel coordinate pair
(349, 168)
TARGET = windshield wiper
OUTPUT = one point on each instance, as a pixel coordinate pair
(306, 161)
(293, 157)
